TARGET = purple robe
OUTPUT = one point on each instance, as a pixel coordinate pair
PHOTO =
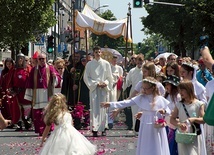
(43, 92)
(42, 75)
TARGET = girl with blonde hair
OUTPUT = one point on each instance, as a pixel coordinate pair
(151, 103)
(148, 70)
(65, 139)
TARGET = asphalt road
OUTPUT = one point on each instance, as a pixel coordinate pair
(118, 141)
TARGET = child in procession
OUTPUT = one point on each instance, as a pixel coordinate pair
(65, 139)
(189, 105)
(151, 140)
(173, 96)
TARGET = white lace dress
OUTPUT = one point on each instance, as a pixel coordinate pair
(66, 140)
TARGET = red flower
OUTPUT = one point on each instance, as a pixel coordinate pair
(160, 121)
(78, 110)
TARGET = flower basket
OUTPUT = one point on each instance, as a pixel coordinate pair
(185, 137)
(159, 122)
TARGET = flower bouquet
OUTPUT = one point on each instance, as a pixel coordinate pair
(80, 116)
(159, 122)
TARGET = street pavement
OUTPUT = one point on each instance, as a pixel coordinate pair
(118, 141)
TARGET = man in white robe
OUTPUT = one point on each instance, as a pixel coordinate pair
(117, 73)
(99, 80)
(134, 76)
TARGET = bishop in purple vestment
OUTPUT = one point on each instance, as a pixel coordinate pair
(40, 86)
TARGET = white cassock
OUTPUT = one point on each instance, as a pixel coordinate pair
(134, 76)
(97, 72)
(117, 72)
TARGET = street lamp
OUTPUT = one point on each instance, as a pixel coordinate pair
(103, 6)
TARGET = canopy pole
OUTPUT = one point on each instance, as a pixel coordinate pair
(127, 30)
(86, 39)
(130, 16)
(74, 38)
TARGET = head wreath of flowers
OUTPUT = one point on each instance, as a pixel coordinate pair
(190, 65)
(150, 81)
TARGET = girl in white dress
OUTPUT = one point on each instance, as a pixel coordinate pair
(65, 139)
(179, 118)
(151, 140)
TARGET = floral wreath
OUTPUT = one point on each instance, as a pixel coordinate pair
(150, 81)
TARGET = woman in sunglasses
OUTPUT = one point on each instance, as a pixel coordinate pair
(59, 65)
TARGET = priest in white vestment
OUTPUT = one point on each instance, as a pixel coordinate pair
(117, 73)
(99, 80)
(134, 76)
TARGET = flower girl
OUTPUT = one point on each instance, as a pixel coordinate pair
(152, 139)
(65, 139)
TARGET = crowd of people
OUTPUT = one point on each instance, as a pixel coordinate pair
(177, 88)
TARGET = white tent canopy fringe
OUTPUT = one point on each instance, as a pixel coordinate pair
(88, 19)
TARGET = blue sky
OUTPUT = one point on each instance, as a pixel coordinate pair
(120, 8)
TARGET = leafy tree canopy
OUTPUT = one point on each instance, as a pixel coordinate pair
(181, 26)
(23, 20)
(104, 40)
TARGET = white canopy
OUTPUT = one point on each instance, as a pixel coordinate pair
(88, 19)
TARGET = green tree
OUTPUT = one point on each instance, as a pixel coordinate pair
(23, 20)
(149, 46)
(104, 40)
(181, 26)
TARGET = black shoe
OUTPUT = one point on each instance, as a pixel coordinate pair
(28, 123)
(95, 134)
(110, 126)
(104, 133)
(19, 126)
